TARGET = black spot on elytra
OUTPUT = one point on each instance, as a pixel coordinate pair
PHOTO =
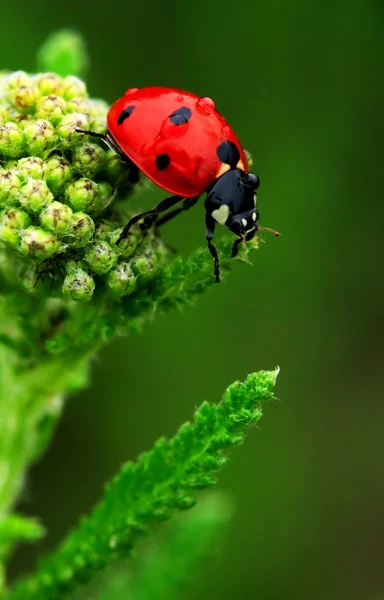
(125, 114)
(228, 153)
(181, 115)
(162, 161)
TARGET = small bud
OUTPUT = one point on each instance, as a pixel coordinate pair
(113, 167)
(10, 186)
(40, 138)
(37, 243)
(50, 84)
(57, 217)
(12, 222)
(98, 108)
(12, 140)
(66, 129)
(16, 80)
(35, 196)
(82, 229)
(77, 105)
(78, 284)
(143, 265)
(74, 88)
(121, 280)
(100, 258)
(98, 124)
(58, 172)
(82, 194)
(87, 159)
(25, 99)
(31, 167)
(4, 115)
(51, 108)
(105, 198)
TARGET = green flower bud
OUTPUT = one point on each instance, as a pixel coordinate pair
(100, 258)
(57, 217)
(37, 243)
(66, 129)
(87, 159)
(31, 167)
(82, 194)
(35, 196)
(4, 115)
(104, 199)
(51, 108)
(12, 222)
(249, 158)
(78, 284)
(121, 280)
(49, 84)
(98, 124)
(77, 105)
(10, 186)
(82, 228)
(103, 229)
(25, 99)
(11, 164)
(74, 88)
(143, 265)
(113, 167)
(58, 172)
(12, 140)
(16, 80)
(98, 108)
(40, 138)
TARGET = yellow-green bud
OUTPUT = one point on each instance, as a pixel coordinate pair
(113, 167)
(83, 229)
(16, 80)
(104, 199)
(25, 99)
(31, 167)
(40, 138)
(12, 140)
(4, 115)
(35, 196)
(121, 280)
(37, 243)
(51, 108)
(50, 84)
(100, 258)
(78, 284)
(87, 159)
(66, 128)
(77, 105)
(12, 222)
(143, 265)
(58, 172)
(10, 186)
(74, 88)
(82, 194)
(57, 217)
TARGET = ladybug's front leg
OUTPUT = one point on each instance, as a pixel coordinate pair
(150, 215)
(210, 228)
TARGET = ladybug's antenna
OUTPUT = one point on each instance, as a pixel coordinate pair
(275, 233)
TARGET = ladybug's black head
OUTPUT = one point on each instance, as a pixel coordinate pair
(232, 202)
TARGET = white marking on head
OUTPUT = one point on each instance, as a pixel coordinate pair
(244, 222)
(255, 198)
(221, 214)
(254, 216)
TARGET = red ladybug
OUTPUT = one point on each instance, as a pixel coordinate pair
(183, 144)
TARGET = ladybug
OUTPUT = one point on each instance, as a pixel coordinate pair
(183, 144)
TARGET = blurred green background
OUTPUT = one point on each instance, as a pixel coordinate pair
(301, 83)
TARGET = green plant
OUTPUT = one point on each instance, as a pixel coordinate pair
(65, 290)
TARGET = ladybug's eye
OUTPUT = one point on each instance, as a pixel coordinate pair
(254, 180)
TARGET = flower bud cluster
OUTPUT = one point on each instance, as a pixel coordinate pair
(58, 190)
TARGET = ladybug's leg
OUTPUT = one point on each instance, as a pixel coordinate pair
(187, 204)
(151, 215)
(235, 248)
(210, 228)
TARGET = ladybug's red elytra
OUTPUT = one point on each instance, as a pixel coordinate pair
(185, 146)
